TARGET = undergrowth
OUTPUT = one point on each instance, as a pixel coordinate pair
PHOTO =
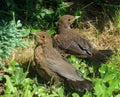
(106, 83)
(43, 14)
(11, 34)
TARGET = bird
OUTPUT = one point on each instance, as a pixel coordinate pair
(51, 65)
(70, 41)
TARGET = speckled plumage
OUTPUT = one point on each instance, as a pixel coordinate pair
(50, 64)
(71, 42)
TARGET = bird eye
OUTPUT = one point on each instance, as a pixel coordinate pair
(43, 36)
(68, 19)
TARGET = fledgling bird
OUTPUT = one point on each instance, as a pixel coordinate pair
(51, 65)
(71, 42)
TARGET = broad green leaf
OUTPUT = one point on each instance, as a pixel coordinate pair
(75, 95)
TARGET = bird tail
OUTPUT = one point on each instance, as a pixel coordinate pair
(101, 55)
(80, 85)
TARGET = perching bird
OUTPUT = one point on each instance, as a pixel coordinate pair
(70, 41)
(51, 65)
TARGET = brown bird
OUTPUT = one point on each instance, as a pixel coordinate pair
(51, 65)
(72, 42)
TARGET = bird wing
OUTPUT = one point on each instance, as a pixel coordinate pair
(67, 71)
(74, 44)
(75, 48)
(63, 68)
(84, 45)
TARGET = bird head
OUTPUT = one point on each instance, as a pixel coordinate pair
(43, 38)
(67, 20)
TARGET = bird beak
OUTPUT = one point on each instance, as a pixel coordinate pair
(76, 17)
(38, 39)
(33, 34)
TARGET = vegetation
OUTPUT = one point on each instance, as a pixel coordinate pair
(11, 36)
(19, 18)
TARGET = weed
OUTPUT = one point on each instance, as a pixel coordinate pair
(11, 35)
